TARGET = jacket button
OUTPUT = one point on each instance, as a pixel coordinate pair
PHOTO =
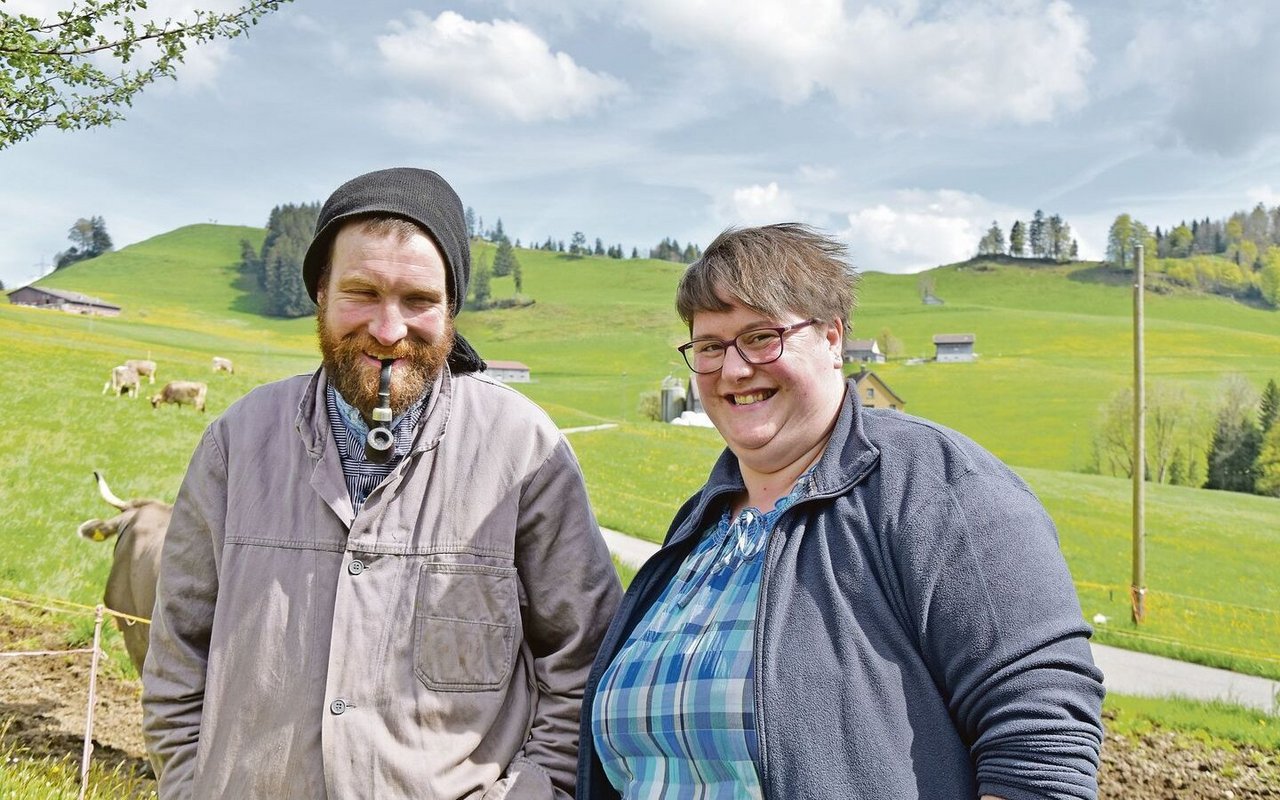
(355, 567)
(338, 706)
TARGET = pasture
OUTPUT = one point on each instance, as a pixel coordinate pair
(1054, 345)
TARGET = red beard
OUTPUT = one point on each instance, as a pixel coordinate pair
(356, 379)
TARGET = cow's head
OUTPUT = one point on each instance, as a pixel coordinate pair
(100, 530)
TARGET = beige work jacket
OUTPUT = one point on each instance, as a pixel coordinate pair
(435, 645)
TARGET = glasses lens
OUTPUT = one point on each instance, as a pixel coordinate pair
(705, 356)
(760, 347)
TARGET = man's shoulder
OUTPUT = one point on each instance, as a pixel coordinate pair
(478, 395)
(274, 398)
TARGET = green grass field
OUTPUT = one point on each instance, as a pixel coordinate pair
(1053, 341)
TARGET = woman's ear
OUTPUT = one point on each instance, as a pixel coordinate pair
(835, 340)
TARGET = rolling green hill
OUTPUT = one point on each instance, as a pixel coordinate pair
(1054, 345)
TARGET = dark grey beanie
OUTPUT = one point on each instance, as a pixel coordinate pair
(420, 196)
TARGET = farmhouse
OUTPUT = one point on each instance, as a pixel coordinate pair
(507, 371)
(875, 393)
(61, 300)
(954, 347)
(862, 351)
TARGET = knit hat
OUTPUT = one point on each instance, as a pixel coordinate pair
(420, 196)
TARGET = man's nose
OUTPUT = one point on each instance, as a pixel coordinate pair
(388, 326)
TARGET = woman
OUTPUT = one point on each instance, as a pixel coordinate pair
(857, 604)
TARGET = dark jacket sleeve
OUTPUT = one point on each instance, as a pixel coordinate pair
(1000, 628)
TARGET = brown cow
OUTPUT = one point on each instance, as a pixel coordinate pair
(145, 367)
(139, 529)
(221, 364)
(181, 393)
(124, 380)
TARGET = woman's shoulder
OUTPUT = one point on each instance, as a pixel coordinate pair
(921, 448)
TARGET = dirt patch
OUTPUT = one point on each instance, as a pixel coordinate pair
(43, 701)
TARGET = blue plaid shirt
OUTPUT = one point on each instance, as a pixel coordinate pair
(675, 713)
(349, 432)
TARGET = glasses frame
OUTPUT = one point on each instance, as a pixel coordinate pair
(781, 330)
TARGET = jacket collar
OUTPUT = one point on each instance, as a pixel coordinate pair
(848, 457)
(312, 420)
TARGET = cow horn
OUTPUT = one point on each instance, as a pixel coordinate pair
(106, 493)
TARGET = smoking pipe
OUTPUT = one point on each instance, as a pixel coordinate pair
(379, 443)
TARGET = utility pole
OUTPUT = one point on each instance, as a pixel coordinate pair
(1138, 587)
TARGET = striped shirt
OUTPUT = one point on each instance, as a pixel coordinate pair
(349, 431)
(675, 713)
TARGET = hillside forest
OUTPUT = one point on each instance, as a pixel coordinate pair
(1238, 257)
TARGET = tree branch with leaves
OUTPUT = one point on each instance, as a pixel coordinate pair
(78, 70)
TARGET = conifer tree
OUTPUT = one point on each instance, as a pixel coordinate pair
(1018, 239)
(1269, 406)
(1038, 235)
(504, 261)
(1237, 441)
(89, 239)
(480, 283)
(992, 242)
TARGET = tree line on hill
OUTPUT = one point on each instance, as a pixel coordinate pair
(1042, 237)
(1240, 448)
(1238, 256)
(668, 249)
(276, 266)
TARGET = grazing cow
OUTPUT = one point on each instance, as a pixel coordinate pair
(145, 367)
(223, 365)
(181, 393)
(124, 380)
(139, 529)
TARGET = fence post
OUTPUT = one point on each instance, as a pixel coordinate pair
(93, 701)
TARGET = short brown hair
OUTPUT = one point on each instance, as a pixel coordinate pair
(773, 269)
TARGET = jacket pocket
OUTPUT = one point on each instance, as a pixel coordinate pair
(464, 626)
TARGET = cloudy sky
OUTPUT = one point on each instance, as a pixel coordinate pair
(903, 127)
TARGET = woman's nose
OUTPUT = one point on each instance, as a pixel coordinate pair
(734, 364)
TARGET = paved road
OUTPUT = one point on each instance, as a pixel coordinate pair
(1124, 671)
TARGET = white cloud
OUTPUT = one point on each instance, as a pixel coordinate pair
(1263, 194)
(501, 66)
(959, 63)
(420, 121)
(917, 230)
(1216, 69)
(758, 205)
(817, 174)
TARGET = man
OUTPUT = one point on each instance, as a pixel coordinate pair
(331, 626)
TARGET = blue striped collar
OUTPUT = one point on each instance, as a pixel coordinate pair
(351, 445)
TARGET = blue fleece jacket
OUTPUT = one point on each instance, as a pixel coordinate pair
(918, 634)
